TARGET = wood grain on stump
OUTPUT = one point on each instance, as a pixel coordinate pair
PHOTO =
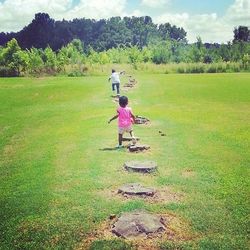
(136, 189)
(141, 166)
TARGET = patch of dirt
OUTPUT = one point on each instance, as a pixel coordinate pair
(176, 229)
(160, 196)
(164, 195)
(188, 173)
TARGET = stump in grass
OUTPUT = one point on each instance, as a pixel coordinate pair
(137, 225)
(128, 85)
(141, 120)
(138, 147)
(136, 189)
(141, 166)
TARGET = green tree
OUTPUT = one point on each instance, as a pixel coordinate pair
(197, 51)
(135, 56)
(12, 57)
(161, 53)
(50, 60)
(35, 61)
(242, 33)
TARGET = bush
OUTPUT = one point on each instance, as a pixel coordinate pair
(212, 68)
(8, 72)
(181, 70)
(195, 68)
(221, 68)
(78, 70)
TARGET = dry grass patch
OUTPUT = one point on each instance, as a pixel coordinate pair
(177, 230)
(163, 195)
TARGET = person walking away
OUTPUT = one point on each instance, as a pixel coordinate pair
(115, 80)
(125, 119)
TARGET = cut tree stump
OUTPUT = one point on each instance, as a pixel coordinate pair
(138, 225)
(141, 166)
(136, 189)
(128, 85)
(141, 120)
(138, 147)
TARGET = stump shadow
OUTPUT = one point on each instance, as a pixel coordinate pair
(111, 149)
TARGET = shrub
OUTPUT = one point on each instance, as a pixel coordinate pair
(8, 72)
(195, 68)
(181, 70)
(212, 68)
(221, 68)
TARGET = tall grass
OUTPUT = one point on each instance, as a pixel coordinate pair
(171, 68)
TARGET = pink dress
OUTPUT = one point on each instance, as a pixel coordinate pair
(124, 117)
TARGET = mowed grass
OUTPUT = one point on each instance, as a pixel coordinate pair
(56, 176)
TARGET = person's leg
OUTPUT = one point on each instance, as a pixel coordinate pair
(120, 139)
(132, 133)
(118, 88)
(133, 136)
(113, 87)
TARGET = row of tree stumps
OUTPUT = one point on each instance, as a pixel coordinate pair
(137, 224)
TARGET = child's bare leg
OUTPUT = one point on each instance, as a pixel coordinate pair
(133, 137)
(120, 139)
(132, 134)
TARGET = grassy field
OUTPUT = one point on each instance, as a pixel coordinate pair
(57, 181)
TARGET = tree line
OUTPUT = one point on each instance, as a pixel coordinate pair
(101, 34)
(72, 60)
(143, 43)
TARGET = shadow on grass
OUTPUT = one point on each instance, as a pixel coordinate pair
(111, 149)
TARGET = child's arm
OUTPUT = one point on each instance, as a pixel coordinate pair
(113, 118)
(132, 115)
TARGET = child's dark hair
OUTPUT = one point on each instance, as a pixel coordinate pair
(123, 101)
(113, 70)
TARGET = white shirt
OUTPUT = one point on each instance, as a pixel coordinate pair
(115, 77)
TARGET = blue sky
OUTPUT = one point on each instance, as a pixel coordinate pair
(212, 20)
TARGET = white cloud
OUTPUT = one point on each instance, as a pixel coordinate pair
(16, 14)
(97, 9)
(135, 12)
(239, 13)
(155, 3)
(210, 27)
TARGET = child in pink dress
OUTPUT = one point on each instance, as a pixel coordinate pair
(125, 119)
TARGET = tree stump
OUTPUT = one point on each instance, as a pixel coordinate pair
(136, 189)
(141, 120)
(138, 147)
(137, 225)
(141, 166)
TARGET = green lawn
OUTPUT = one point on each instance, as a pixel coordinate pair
(56, 179)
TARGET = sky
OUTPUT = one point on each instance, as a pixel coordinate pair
(212, 20)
